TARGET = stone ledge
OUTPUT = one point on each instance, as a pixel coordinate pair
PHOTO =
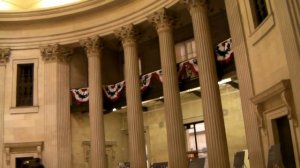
(24, 110)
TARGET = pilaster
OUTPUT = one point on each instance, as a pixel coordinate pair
(137, 151)
(93, 48)
(211, 99)
(288, 16)
(254, 144)
(57, 106)
(4, 58)
(174, 120)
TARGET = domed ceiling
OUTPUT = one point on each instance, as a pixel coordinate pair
(25, 5)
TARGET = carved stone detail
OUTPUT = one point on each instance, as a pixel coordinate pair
(193, 3)
(92, 45)
(161, 19)
(26, 147)
(4, 55)
(127, 34)
(56, 52)
(7, 153)
(283, 90)
(286, 98)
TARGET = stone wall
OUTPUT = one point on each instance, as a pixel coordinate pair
(24, 124)
(192, 112)
(266, 52)
(115, 137)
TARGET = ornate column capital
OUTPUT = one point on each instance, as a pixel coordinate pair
(161, 20)
(56, 52)
(127, 34)
(193, 3)
(92, 45)
(4, 55)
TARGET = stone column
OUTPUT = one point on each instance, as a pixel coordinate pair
(254, 145)
(93, 49)
(4, 57)
(137, 151)
(57, 152)
(174, 119)
(212, 107)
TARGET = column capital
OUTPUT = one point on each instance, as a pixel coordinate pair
(161, 19)
(92, 45)
(4, 55)
(193, 3)
(127, 34)
(56, 52)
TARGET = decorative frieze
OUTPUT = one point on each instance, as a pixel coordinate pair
(4, 55)
(56, 52)
(92, 45)
(161, 19)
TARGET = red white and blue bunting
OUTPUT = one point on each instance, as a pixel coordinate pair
(81, 95)
(147, 78)
(114, 92)
(224, 52)
(186, 70)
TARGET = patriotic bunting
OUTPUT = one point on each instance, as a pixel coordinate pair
(186, 70)
(114, 92)
(81, 95)
(147, 78)
(224, 52)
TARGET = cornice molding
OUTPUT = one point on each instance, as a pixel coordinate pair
(4, 55)
(102, 28)
(56, 52)
(56, 12)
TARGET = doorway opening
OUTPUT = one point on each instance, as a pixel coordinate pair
(284, 138)
(21, 160)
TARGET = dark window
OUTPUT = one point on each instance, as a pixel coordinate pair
(24, 85)
(260, 11)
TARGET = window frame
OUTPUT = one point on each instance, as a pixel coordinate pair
(24, 109)
(257, 32)
(254, 12)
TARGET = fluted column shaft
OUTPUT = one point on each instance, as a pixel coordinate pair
(137, 151)
(4, 57)
(255, 149)
(174, 119)
(57, 107)
(212, 108)
(2, 98)
(98, 157)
